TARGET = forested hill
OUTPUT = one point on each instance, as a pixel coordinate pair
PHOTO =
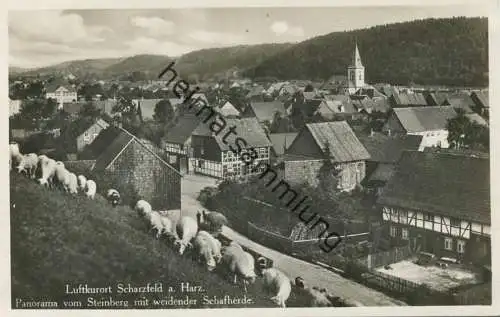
(450, 51)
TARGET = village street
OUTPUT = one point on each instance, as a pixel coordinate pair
(313, 274)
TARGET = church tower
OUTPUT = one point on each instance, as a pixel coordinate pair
(355, 73)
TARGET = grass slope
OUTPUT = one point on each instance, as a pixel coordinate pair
(58, 239)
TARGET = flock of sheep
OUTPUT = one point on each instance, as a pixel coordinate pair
(187, 234)
(53, 173)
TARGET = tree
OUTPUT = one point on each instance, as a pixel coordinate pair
(164, 112)
(463, 133)
(90, 110)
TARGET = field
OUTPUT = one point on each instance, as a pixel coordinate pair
(58, 239)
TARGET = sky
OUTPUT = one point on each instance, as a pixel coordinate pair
(44, 37)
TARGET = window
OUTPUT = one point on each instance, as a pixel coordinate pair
(427, 217)
(454, 222)
(460, 246)
(404, 233)
(448, 243)
(393, 231)
(200, 164)
(172, 159)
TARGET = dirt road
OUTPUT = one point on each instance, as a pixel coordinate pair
(314, 275)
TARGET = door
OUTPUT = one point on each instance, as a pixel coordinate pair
(183, 164)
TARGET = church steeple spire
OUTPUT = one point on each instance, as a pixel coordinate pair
(356, 61)
(355, 72)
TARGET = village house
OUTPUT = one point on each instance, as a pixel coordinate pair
(213, 157)
(228, 110)
(318, 142)
(138, 163)
(440, 202)
(403, 100)
(177, 143)
(80, 133)
(265, 111)
(385, 152)
(429, 122)
(61, 93)
(280, 143)
(106, 105)
(460, 101)
(481, 101)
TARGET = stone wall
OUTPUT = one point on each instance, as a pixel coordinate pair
(151, 178)
(297, 172)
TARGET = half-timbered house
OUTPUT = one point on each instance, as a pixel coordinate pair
(213, 156)
(177, 142)
(440, 203)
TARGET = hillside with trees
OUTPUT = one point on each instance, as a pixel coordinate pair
(433, 51)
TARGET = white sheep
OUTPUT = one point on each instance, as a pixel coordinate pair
(276, 282)
(15, 155)
(215, 245)
(82, 182)
(73, 183)
(62, 177)
(239, 263)
(186, 230)
(113, 196)
(143, 208)
(90, 189)
(203, 251)
(28, 164)
(48, 167)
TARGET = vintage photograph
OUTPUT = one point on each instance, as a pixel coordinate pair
(249, 157)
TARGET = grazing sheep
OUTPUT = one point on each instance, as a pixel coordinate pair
(91, 189)
(48, 168)
(62, 177)
(156, 223)
(60, 163)
(215, 220)
(277, 283)
(28, 164)
(113, 196)
(15, 155)
(203, 251)
(143, 208)
(82, 182)
(214, 244)
(73, 183)
(239, 263)
(186, 230)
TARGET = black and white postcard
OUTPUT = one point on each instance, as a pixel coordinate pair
(178, 159)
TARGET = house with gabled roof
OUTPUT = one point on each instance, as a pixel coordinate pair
(138, 163)
(79, 133)
(402, 100)
(439, 201)
(61, 93)
(280, 143)
(228, 110)
(177, 142)
(429, 122)
(385, 152)
(216, 157)
(318, 142)
(481, 102)
(265, 111)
